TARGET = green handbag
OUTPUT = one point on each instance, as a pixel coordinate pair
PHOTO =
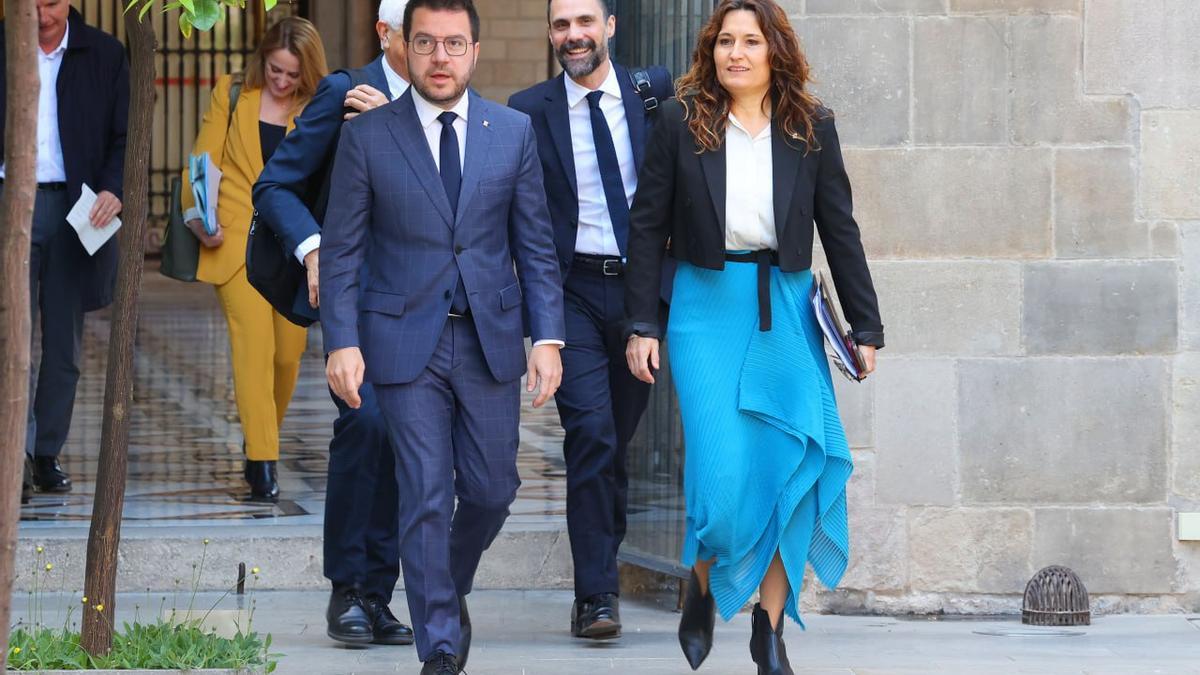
(180, 248)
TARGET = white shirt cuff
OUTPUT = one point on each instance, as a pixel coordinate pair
(559, 343)
(308, 246)
(193, 214)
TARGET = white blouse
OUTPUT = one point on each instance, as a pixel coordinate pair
(749, 189)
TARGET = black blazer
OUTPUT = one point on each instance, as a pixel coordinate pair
(681, 198)
(93, 113)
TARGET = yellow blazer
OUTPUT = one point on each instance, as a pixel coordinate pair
(238, 153)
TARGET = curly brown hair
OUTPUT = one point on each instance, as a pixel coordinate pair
(707, 103)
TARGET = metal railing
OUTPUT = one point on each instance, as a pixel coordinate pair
(658, 32)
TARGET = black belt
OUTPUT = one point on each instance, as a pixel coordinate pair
(603, 264)
(48, 187)
(764, 259)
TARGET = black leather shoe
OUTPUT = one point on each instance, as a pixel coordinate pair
(696, 624)
(766, 645)
(464, 629)
(597, 618)
(348, 617)
(48, 476)
(264, 484)
(441, 663)
(385, 627)
(27, 483)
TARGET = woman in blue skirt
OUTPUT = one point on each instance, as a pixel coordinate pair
(739, 169)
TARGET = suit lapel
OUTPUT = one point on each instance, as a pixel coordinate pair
(713, 164)
(479, 142)
(405, 128)
(785, 159)
(249, 103)
(635, 115)
(558, 118)
(376, 77)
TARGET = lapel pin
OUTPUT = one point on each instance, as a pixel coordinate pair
(487, 123)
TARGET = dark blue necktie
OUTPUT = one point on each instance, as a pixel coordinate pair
(451, 169)
(610, 172)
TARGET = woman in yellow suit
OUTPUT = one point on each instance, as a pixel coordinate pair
(280, 79)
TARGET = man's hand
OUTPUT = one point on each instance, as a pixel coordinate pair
(868, 353)
(311, 263)
(362, 98)
(344, 371)
(642, 355)
(197, 227)
(106, 208)
(545, 368)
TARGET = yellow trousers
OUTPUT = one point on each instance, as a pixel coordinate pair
(265, 350)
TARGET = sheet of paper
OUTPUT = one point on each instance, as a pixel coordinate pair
(92, 238)
(206, 185)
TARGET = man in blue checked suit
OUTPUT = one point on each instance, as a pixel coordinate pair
(361, 538)
(440, 195)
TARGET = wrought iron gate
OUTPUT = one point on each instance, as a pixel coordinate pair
(187, 70)
(658, 32)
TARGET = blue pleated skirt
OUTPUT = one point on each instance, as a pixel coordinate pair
(767, 458)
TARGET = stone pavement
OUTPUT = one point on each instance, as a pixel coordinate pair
(525, 633)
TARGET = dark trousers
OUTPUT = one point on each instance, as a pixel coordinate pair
(362, 539)
(56, 303)
(599, 403)
(455, 433)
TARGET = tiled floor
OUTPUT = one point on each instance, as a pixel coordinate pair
(185, 455)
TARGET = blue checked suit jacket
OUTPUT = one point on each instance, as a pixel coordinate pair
(389, 211)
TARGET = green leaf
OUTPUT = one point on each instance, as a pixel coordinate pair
(270, 4)
(207, 14)
(185, 25)
(189, 5)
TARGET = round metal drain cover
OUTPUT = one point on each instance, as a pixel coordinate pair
(1025, 632)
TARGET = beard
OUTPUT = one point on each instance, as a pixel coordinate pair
(577, 68)
(422, 84)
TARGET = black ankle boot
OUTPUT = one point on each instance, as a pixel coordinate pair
(766, 645)
(48, 475)
(696, 624)
(264, 484)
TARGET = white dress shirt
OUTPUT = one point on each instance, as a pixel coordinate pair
(50, 165)
(428, 114)
(749, 189)
(595, 233)
(397, 85)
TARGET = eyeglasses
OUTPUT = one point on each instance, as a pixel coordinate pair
(424, 45)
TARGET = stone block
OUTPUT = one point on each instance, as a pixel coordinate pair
(969, 550)
(1185, 428)
(1063, 431)
(878, 550)
(860, 489)
(1101, 307)
(1015, 6)
(1094, 199)
(917, 456)
(1170, 165)
(950, 308)
(989, 202)
(960, 80)
(861, 70)
(1145, 49)
(876, 6)
(1126, 551)
(1164, 239)
(855, 402)
(1189, 286)
(1048, 105)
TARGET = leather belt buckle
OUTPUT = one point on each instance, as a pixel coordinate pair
(611, 268)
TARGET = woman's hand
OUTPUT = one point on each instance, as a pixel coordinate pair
(197, 227)
(642, 355)
(868, 354)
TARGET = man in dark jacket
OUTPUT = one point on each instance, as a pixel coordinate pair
(83, 110)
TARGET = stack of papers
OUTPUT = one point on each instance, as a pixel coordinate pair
(80, 219)
(844, 352)
(206, 184)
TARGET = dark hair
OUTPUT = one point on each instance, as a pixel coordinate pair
(467, 6)
(606, 9)
(707, 102)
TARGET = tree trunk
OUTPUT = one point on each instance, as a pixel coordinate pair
(105, 534)
(16, 225)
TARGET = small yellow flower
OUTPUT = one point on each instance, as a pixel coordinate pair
(16, 650)
(206, 542)
(100, 608)
(84, 600)
(40, 549)
(254, 570)
(49, 567)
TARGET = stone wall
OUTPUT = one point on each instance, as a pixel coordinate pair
(1027, 175)
(515, 51)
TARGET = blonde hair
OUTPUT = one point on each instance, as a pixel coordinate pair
(300, 37)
